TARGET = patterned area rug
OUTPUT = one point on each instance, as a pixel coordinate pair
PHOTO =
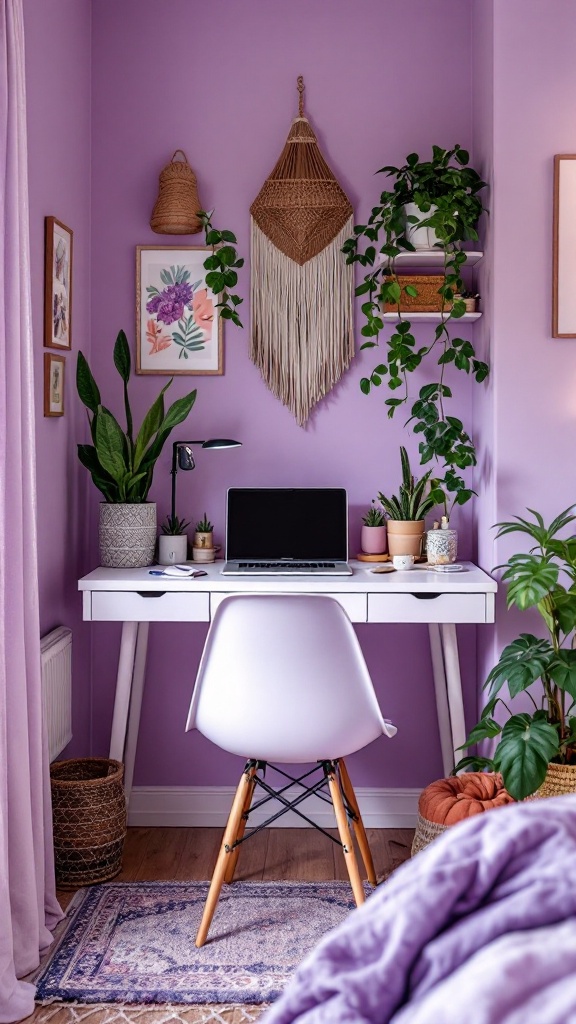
(133, 942)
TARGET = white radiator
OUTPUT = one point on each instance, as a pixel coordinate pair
(56, 656)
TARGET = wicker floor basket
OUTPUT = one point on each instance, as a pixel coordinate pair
(425, 832)
(560, 780)
(89, 819)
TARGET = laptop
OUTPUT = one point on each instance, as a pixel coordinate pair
(286, 531)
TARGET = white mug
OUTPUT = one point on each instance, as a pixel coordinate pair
(403, 561)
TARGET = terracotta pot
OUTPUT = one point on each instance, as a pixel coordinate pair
(405, 537)
(373, 539)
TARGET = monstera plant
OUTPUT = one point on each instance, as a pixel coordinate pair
(542, 668)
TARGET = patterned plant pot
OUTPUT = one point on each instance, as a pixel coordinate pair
(127, 535)
(560, 780)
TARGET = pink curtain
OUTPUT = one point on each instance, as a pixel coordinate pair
(28, 906)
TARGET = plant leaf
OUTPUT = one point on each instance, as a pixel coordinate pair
(526, 746)
(86, 385)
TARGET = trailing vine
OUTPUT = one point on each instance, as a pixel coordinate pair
(446, 197)
(222, 266)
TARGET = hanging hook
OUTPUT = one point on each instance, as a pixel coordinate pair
(301, 96)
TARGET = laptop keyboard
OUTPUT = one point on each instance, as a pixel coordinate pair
(289, 565)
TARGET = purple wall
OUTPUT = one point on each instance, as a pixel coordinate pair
(57, 35)
(224, 89)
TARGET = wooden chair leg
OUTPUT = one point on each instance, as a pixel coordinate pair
(346, 839)
(233, 857)
(217, 882)
(357, 825)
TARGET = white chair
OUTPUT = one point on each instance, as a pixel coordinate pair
(282, 679)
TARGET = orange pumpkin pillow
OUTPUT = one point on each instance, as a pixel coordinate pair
(450, 800)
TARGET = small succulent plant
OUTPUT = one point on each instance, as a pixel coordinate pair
(204, 525)
(374, 517)
(174, 526)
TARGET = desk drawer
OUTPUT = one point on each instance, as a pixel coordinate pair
(149, 606)
(427, 607)
(353, 604)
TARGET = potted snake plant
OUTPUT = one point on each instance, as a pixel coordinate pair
(406, 511)
(121, 463)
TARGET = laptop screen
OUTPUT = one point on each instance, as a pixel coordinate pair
(302, 523)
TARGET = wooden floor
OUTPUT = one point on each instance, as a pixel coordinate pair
(292, 854)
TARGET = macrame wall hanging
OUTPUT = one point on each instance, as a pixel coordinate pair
(302, 290)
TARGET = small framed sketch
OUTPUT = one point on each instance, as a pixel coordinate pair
(178, 329)
(564, 253)
(57, 285)
(54, 367)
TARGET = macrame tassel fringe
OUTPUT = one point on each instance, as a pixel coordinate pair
(302, 320)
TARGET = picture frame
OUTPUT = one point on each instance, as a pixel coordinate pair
(178, 330)
(57, 284)
(564, 247)
(54, 376)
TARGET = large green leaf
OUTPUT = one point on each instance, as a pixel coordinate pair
(530, 578)
(122, 356)
(526, 746)
(521, 664)
(178, 412)
(564, 602)
(86, 385)
(110, 445)
(563, 671)
(150, 426)
(486, 729)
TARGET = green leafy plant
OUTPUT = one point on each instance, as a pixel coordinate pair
(222, 266)
(415, 498)
(204, 525)
(445, 191)
(374, 517)
(545, 579)
(120, 464)
(174, 526)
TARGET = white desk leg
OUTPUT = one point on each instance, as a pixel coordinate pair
(135, 706)
(446, 742)
(454, 686)
(123, 688)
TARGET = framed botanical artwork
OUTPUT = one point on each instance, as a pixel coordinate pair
(57, 285)
(54, 367)
(178, 329)
(564, 252)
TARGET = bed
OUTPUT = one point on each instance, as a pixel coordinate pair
(479, 928)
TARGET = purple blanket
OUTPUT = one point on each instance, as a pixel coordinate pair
(479, 928)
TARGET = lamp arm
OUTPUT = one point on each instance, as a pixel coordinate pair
(173, 473)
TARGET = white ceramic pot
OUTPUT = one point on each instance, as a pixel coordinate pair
(373, 539)
(127, 533)
(172, 548)
(421, 238)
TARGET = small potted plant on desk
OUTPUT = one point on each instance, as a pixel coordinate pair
(373, 534)
(173, 542)
(203, 549)
(405, 511)
(536, 749)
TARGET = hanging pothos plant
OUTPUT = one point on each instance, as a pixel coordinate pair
(445, 193)
(222, 266)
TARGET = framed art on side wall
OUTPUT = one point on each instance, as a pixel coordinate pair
(57, 285)
(54, 367)
(564, 253)
(178, 330)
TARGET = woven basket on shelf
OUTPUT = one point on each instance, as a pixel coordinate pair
(176, 209)
(427, 301)
(560, 780)
(89, 820)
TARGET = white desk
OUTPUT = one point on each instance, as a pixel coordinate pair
(441, 600)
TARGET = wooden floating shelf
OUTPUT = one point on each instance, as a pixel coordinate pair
(429, 318)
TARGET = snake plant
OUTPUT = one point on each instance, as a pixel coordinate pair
(415, 498)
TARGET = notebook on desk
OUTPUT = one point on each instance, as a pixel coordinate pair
(286, 531)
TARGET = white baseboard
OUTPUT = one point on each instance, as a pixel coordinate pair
(188, 806)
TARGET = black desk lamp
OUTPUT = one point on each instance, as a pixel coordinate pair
(183, 458)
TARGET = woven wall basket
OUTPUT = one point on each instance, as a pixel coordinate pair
(89, 820)
(176, 209)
